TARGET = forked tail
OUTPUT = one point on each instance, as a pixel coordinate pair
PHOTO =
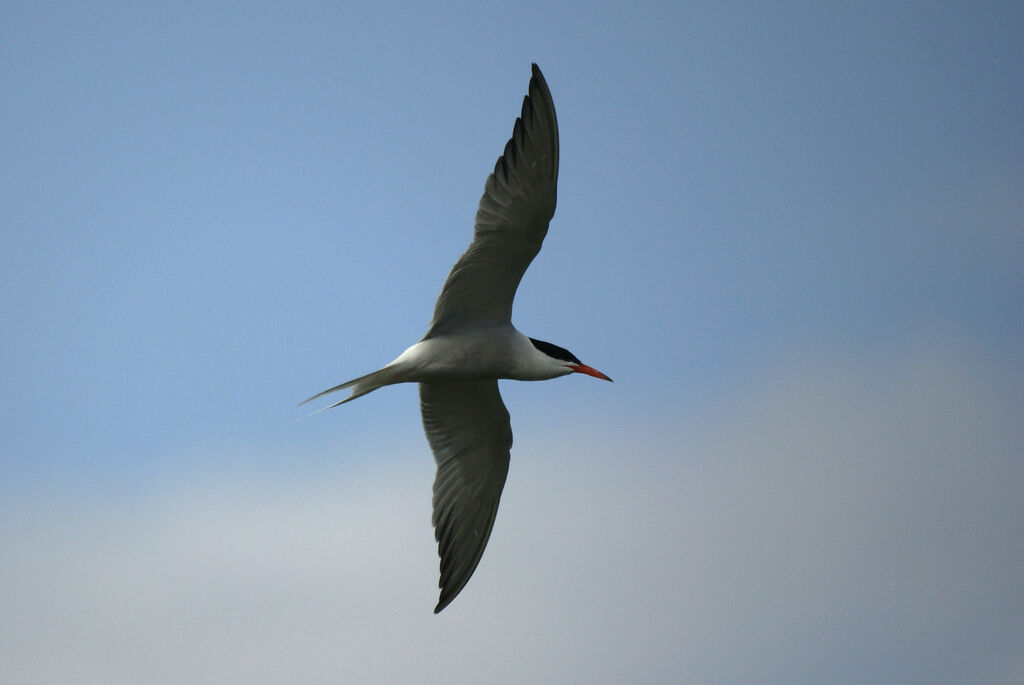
(360, 386)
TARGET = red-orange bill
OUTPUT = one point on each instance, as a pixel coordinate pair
(590, 371)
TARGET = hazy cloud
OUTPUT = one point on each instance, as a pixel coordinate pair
(844, 519)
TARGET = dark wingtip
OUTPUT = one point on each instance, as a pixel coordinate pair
(537, 75)
(442, 602)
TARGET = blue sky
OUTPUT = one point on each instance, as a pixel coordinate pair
(793, 233)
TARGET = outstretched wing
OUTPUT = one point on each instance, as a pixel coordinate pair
(511, 221)
(468, 428)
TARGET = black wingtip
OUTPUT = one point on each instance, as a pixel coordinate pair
(443, 601)
(536, 73)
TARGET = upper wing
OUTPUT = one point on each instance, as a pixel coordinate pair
(468, 429)
(511, 222)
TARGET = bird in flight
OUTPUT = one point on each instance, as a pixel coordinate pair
(471, 343)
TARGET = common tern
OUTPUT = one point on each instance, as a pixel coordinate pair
(471, 343)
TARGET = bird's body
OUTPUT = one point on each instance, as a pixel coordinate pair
(472, 343)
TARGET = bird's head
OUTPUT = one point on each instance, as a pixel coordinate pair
(566, 360)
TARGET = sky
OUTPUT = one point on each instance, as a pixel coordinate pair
(793, 233)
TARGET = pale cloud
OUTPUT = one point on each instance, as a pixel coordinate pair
(846, 518)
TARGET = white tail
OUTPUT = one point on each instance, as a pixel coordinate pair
(360, 386)
(401, 370)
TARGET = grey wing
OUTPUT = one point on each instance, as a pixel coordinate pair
(468, 428)
(511, 221)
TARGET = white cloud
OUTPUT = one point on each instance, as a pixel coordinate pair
(844, 520)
